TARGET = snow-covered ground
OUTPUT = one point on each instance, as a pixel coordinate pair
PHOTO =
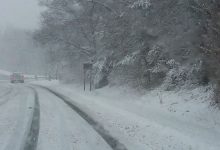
(15, 116)
(155, 120)
(147, 120)
(6, 73)
(59, 127)
(63, 129)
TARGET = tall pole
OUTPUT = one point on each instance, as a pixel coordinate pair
(84, 80)
(87, 67)
(90, 79)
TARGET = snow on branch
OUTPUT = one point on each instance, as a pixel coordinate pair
(103, 5)
(144, 4)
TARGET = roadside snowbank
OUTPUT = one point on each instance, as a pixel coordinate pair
(171, 120)
(6, 73)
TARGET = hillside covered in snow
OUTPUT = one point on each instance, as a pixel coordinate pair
(141, 43)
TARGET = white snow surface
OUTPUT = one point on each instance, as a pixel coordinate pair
(15, 117)
(129, 59)
(153, 120)
(63, 129)
(6, 73)
(60, 127)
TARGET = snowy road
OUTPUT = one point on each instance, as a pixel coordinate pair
(57, 118)
(16, 115)
(34, 118)
(142, 123)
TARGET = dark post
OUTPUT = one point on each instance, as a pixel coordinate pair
(90, 80)
(84, 80)
(87, 66)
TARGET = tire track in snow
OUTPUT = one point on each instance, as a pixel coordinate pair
(10, 122)
(20, 121)
(110, 140)
(32, 136)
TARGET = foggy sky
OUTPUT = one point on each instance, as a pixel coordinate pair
(23, 14)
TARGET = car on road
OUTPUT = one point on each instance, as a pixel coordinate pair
(17, 77)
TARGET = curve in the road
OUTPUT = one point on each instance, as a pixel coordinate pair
(32, 137)
(110, 140)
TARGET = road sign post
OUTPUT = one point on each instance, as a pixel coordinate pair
(84, 78)
(87, 67)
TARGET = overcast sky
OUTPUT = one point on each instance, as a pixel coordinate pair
(23, 14)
